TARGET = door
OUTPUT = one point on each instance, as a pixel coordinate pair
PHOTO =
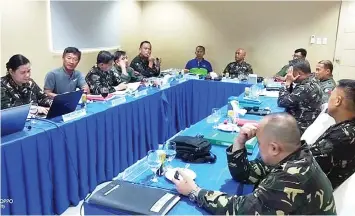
(344, 58)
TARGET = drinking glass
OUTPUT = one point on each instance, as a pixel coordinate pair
(34, 112)
(154, 163)
(170, 151)
(216, 116)
(104, 93)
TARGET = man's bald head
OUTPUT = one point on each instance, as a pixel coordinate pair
(240, 54)
(278, 136)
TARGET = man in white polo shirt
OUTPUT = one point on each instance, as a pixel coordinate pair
(66, 78)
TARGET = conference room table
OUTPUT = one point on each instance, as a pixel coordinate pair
(214, 176)
(53, 165)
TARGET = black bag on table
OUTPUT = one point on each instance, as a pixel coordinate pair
(194, 149)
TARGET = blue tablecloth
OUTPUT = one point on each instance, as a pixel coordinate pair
(209, 176)
(53, 166)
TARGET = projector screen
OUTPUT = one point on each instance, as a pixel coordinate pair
(87, 25)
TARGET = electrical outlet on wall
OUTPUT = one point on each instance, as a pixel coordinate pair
(325, 41)
(319, 41)
(313, 39)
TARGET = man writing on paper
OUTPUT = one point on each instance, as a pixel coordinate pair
(101, 76)
(324, 73)
(335, 149)
(292, 183)
(304, 100)
(199, 65)
(66, 78)
(145, 63)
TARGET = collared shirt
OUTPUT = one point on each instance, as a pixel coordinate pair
(141, 65)
(199, 64)
(296, 186)
(14, 95)
(283, 71)
(335, 151)
(97, 79)
(239, 69)
(303, 102)
(130, 77)
(59, 81)
(327, 87)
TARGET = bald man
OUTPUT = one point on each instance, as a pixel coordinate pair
(291, 182)
(238, 69)
(335, 149)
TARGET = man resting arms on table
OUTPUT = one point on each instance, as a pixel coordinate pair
(292, 183)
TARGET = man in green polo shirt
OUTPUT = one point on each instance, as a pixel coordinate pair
(298, 54)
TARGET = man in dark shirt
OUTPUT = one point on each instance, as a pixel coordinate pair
(303, 101)
(145, 63)
(101, 76)
(239, 68)
(335, 149)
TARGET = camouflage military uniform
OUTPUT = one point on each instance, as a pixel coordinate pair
(238, 69)
(96, 79)
(302, 102)
(327, 87)
(117, 71)
(140, 65)
(296, 185)
(13, 95)
(335, 151)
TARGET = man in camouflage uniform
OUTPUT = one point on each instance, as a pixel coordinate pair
(145, 63)
(239, 69)
(292, 183)
(303, 101)
(335, 149)
(324, 73)
(101, 75)
(14, 95)
(122, 70)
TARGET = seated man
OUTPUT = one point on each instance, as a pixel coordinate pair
(145, 63)
(101, 76)
(298, 54)
(335, 149)
(239, 69)
(324, 73)
(303, 101)
(122, 70)
(66, 78)
(291, 184)
(199, 65)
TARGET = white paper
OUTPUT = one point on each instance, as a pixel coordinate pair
(74, 115)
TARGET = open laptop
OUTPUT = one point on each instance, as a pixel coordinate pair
(13, 119)
(64, 104)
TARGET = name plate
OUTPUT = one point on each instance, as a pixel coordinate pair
(141, 93)
(74, 115)
(118, 101)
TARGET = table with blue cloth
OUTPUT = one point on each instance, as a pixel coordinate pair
(54, 165)
(209, 176)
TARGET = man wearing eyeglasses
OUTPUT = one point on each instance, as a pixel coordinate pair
(298, 54)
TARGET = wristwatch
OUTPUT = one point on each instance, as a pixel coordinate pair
(194, 194)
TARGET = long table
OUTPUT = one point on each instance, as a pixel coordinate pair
(54, 165)
(209, 176)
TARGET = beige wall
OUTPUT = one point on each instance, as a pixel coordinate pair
(269, 31)
(24, 29)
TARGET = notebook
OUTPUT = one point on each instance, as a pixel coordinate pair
(129, 198)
